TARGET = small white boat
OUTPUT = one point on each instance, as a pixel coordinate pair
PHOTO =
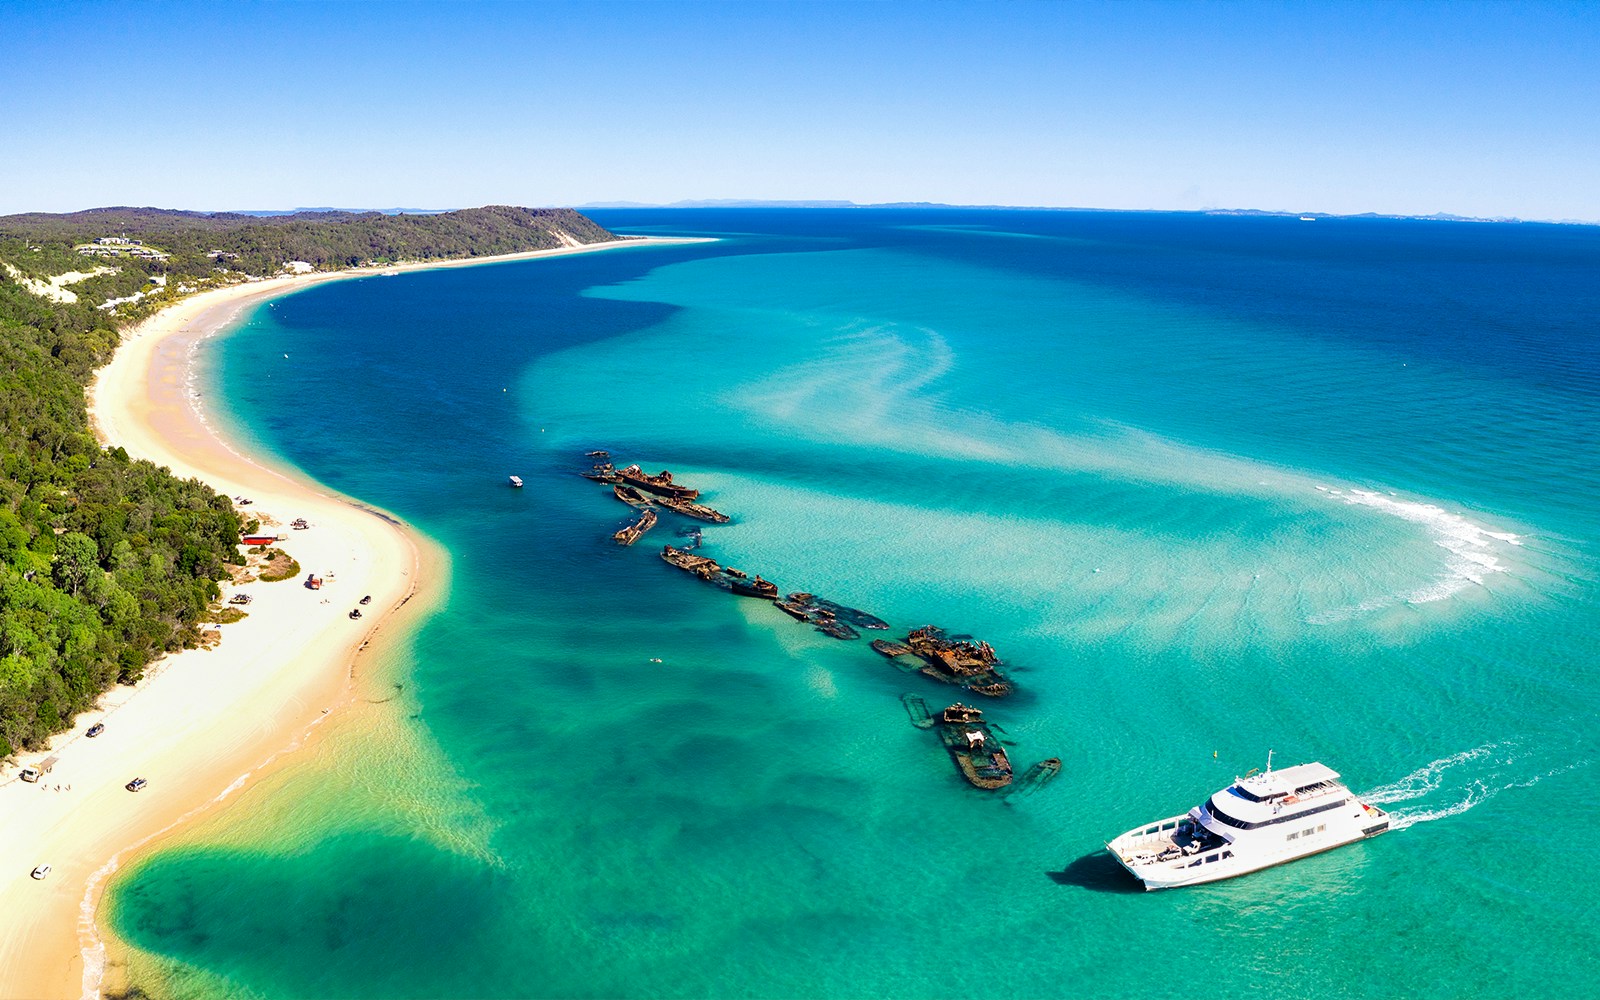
(1259, 821)
(516, 481)
(1308, 218)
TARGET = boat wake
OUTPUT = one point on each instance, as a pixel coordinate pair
(1493, 769)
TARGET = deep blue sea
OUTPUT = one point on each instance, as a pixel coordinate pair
(1213, 486)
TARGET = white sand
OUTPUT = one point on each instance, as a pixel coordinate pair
(202, 721)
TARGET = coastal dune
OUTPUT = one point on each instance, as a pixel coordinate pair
(203, 721)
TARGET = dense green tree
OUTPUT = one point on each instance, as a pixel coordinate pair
(107, 563)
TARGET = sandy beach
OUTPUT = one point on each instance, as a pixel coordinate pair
(203, 722)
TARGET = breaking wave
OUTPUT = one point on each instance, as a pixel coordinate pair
(1475, 550)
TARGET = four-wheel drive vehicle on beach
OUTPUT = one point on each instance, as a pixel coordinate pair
(36, 771)
(136, 784)
(96, 729)
(41, 871)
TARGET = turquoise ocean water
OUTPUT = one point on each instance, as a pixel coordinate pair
(1211, 485)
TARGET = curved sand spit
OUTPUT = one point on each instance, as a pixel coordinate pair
(202, 721)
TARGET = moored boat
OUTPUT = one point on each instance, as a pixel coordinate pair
(1259, 821)
(516, 481)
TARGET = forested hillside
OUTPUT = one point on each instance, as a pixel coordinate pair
(191, 250)
(106, 563)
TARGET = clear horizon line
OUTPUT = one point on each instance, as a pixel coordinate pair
(802, 204)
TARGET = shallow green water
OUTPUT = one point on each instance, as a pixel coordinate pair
(1212, 486)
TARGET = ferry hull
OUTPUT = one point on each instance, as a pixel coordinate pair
(1260, 821)
(1198, 871)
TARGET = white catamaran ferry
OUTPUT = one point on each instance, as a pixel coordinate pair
(1258, 821)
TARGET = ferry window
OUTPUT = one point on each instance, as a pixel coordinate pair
(1293, 836)
(1243, 825)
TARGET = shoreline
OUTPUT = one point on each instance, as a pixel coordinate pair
(204, 724)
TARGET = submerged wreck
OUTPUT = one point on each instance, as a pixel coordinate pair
(973, 746)
(743, 584)
(690, 509)
(689, 562)
(726, 577)
(1036, 777)
(829, 617)
(660, 484)
(630, 534)
(631, 496)
(843, 612)
(603, 472)
(964, 663)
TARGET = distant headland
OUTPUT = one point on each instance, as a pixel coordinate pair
(757, 203)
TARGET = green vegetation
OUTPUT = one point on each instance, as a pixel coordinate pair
(225, 616)
(196, 250)
(279, 567)
(106, 563)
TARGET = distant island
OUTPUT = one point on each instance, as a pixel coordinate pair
(757, 203)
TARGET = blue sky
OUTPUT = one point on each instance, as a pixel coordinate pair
(1472, 108)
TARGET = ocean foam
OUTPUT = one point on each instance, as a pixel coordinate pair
(1473, 551)
(1429, 777)
(1474, 789)
(900, 362)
